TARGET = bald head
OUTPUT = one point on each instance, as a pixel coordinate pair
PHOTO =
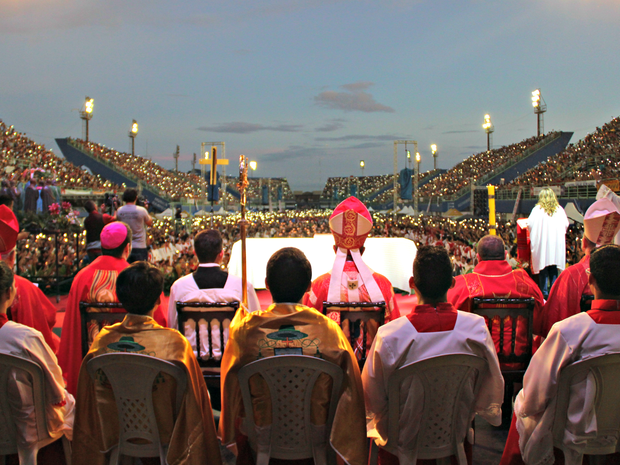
(491, 248)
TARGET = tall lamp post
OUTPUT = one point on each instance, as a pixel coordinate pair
(132, 135)
(416, 204)
(362, 166)
(434, 151)
(540, 106)
(409, 158)
(87, 113)
(488, 128)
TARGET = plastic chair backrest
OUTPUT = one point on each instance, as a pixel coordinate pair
(292, 435)
(356, 313)
(103, 314)
(605, 372)
(208, 311)
(8, 433)
(513, 308)
(8, 429)
(447, 381)
(131, 377)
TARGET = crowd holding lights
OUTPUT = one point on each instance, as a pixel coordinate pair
(476, 167)
(171, 185)
(21, 159)
(595, 157)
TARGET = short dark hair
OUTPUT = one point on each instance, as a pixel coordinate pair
(208, 245)
(605, 268)
(432, 271)
(289, 274)
(6, 199)
(139, 286)
(491, 248)
(118, 251)
(6, 277)
(130, 195)
(90, 206)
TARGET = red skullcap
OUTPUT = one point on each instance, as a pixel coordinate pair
(9, 229)
(113, 235)
(350, 224)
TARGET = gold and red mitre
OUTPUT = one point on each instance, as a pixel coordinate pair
(350, 224)
(601, 222)
(9, 229)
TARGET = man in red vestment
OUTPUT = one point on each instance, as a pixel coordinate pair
(494, 277)
(350, 279)
(95, 283)
(31, 307)
(601, 224)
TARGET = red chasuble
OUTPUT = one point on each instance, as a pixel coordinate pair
(32, 308)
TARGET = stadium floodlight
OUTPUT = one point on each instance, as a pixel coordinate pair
(540, 106)
(488, 128)
(253, 165)
(87, 113)
(362, 166)
(434, 152)
(133, 132)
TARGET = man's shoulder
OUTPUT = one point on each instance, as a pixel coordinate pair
(21, 332)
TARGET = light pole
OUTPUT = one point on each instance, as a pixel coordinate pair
(362, 166)
(416, 204)
(540, 106)
(409, 158)
(132, 135)
(87, 113)
(488, 128)
(434, 151)
(253, 165)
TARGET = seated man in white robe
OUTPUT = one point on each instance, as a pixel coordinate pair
(25, 342)
(432, 328)
(209, 283)
(578, 337)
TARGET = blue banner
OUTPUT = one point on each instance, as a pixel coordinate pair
(280, 193)
(353, 190)
(406, 186)
(265, 194)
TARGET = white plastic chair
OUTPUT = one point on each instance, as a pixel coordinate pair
(131, 377)
(8, 429)
(605, 371)
(446, 381)
(292, 435)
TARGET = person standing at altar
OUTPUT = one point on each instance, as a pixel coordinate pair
(547, 224)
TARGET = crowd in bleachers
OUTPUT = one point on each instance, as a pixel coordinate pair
(474, 168)
(22, 160)
(172, 185)
(595, 157)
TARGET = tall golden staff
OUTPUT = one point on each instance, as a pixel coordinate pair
(242, 185)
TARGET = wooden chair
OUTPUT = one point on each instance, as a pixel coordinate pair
(101, 313)
(132, 377)
(358, 320)
(446, 414)
(291, 435)
(8, 428)
(490, 308)
(208, 347)
(604, 372)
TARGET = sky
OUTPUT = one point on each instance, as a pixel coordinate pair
(308, 88)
